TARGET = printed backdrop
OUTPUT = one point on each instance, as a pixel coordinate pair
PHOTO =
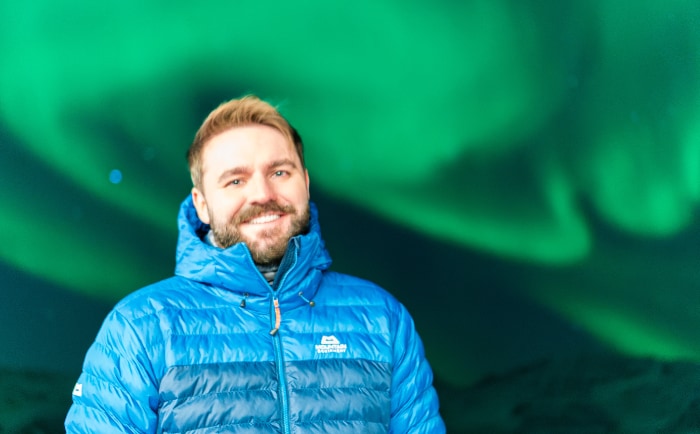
(524, 176)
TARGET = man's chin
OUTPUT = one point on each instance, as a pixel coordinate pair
(263, 236)
(268, 252)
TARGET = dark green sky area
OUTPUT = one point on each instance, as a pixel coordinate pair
(524, 176)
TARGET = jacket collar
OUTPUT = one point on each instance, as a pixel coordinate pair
(233, 268)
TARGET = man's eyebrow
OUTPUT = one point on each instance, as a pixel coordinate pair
(239, 170)
(283, 162)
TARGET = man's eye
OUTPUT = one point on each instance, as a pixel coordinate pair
(236, 181)
(280, 173)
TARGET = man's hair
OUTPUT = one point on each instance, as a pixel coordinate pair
(248, 110)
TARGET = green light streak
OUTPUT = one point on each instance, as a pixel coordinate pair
(486, 123)
(625, 330)
(61, 253)
(690, 156)
(76, 55)
(638, 189)
(490, 88)
(544, 225)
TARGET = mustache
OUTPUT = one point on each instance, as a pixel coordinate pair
(257, 210)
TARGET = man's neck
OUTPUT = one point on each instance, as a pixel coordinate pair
(209, 239)
(269, 271)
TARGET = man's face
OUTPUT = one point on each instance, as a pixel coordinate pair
(254, 190)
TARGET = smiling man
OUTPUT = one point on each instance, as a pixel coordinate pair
(253, 189)
(254, 333)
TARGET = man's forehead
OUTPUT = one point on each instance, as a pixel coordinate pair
(238, 147)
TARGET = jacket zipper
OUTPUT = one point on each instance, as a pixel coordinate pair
(279, 360)
(277, 342)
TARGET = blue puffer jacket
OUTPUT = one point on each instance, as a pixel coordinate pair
(215, 349)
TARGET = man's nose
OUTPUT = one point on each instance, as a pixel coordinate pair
(261, 190)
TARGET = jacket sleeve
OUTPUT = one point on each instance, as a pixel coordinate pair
(414, 400)
(116, 392)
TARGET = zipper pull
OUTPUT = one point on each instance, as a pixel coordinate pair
(278, 318)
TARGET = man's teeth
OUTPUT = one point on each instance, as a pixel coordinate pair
(264, 219)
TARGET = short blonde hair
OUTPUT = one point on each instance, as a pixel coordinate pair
(248, 110)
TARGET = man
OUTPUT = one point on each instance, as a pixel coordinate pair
(254, 334)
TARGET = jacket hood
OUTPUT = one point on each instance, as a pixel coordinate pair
(233, 268)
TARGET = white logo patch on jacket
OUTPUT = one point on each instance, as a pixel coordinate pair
(330, 344)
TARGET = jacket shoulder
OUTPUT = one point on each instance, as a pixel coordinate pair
(346, 280)
(173, 292)
(357, 290)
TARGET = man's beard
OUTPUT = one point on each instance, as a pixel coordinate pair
(271, 244)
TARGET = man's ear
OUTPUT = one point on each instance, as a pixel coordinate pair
(200, 204)
(308, 192)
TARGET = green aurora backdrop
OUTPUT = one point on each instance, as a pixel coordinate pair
(525, 176)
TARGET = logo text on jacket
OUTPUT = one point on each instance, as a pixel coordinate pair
(330, 344)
